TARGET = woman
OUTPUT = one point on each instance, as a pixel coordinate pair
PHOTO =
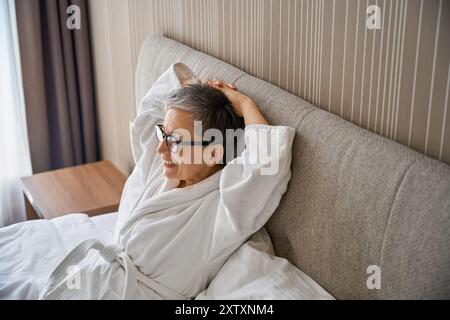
(180, 219)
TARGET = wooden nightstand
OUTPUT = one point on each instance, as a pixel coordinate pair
(93, 189)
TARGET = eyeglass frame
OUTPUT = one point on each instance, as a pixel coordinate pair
(177, 141)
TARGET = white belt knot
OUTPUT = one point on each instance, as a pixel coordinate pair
(110, 252)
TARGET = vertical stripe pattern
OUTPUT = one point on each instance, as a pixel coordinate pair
(393, 81)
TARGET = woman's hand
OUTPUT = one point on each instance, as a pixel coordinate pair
(243, 105)
(237, 99)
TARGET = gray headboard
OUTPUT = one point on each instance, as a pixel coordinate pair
(355, 199)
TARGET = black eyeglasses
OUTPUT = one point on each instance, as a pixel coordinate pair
(172, 142)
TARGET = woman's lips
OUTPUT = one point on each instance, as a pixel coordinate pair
(169, 164)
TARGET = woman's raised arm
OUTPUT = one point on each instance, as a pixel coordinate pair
(152, 109)
(243, 105)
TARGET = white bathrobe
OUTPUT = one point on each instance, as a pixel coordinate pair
(170, 242)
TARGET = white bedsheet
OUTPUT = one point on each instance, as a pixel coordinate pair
(253, 272)
(30, 250)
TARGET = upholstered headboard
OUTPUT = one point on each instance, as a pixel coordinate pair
(355, 199)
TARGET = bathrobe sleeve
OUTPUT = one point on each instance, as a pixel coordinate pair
(252, 185)
(152, 110)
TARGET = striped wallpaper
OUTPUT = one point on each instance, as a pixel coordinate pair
(394, 81)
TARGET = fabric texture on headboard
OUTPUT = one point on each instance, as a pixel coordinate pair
(356, 200)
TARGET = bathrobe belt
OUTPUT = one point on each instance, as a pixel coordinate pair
(110, 253)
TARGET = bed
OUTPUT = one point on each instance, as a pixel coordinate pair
(31, 250)
(363, 217)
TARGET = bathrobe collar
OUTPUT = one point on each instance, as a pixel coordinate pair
(172, 197)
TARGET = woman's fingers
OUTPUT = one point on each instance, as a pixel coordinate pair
(221, 84)
(213, 83)
(232, 86)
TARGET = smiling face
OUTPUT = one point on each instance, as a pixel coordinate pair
(180, 165)
(192, 111)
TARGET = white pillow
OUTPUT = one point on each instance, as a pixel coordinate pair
(254, 272)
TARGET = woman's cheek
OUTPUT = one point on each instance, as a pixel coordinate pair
(183, 157)
(178, 157)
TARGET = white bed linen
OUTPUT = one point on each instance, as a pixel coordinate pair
(254, 272)
(30, 250)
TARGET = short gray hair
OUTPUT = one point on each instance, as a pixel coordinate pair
(210, 106)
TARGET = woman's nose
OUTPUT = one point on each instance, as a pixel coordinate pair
(162, 147)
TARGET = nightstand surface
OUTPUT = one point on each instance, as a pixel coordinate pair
(93, 189)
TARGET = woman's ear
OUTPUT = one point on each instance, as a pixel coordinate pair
(213, 154)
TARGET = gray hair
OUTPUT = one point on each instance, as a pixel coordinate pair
(210, 106)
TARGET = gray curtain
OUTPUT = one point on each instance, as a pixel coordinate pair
(58, 84)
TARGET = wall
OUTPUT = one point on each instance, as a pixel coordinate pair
(394, 81)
